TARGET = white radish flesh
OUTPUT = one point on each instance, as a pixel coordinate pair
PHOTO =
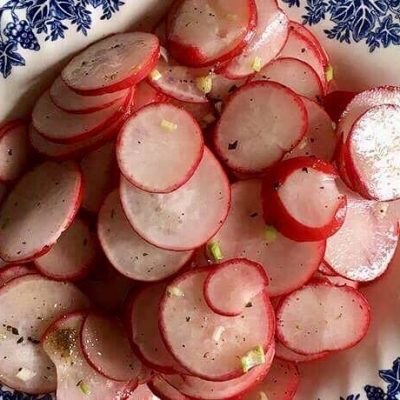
(285, 354)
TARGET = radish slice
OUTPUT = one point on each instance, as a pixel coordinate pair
(325, 269)
(289, 264)
(223, 87)
(38, 210)
(164, 390)
(363, 248)
(336, 280)
(167, 131)
(203, 113)
(128, 252)
(281, 383)
(171, 221)
(200, 33)
(59, 126)
(142, 392)
(260, 140)
(294, 74)
(145, 94)
(146, 336)
(270, 37)
(72, 257)
(231, 286)
(112, 64)
(320, 139)
(22, 324)
(198, 347)
(8, 273)
(76, 379)
(72, 102)
(98, 168)
(284, 353)
(3, 193)
(200, 258)
(303, 201)
(14, 150)
(107, 349)
(337, 318)
(336, 102)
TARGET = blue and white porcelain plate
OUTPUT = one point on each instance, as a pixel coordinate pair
(363, 40)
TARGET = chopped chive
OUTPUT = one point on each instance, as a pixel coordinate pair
(329, 73)
(84, 387)
(168, 125)
(173, 291)
(270, 233)
(155, 75)
(253, 358)
(256, 64)
(204, 84)
(215, 251)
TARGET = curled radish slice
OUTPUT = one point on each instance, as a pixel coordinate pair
(145, 94)
(258, 141)
(164, 390)
(337, 318)
(270, 37)
(165, 130)
(22, 324)
(171, 221)
(142, 392)
(303, 201)
(201, 33)
(8, 273)
(107, 349)
(76, 379)
(336, 280)
(72, 257)
(231, 286)
(128, 252)
(72, 102)
(336, 102)
(325, 269)
(112, 64)
(284, 353)
(38, 210)
(289, 264)
(198, 347)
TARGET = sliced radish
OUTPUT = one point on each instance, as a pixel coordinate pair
(142, 392)
(160, 31)
(336, 102)
(8, 273)
(270, 37)
(3, 192)
(38, 210)
(303, 201)
(72, 257)
(294, 74)
(200, 258)
(284, 353)
(171, 221)
(28, 306)
(336, 280)
(145, 94)
(231, 286)
(164, 390)
(98, 169)
(289, 264)
(72, 102)
(76, 379)
(337, 318)
(112, 64)
(325, 269)
(258, 141)
(320, 139)
(14, 150)
(223, 87)
(167, 131)
(200, 33)
(128, 252)
(198, 347)
(145, 331)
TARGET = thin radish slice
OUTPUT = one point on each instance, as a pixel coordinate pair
(38, 210)
(8, 273)
(72, 257)
(72, 102)
(231, 286)
(167, 131)
(14, 150)
(284, 353)
(336, 102)
(281, 383)
(337, 318)
(171, 221)
(260, 140)
(3, 192)
(200, 33)
(294, 74)
(336, 280)
(98, 168)
(200, 258)
(22, 324)
(106, 348)
(146, 336)
(320, 140)
(128, 252)
(145, 94)
(161, 32)
(325, 269)
(302, 199)
(76, 379)
(289, 264)
(164, 390)
(223, 87)
(115, 63)
(364, 246)
(198, 347)
(270, 37)
(142, 392)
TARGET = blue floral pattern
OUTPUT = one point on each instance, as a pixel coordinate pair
(6, 394)
(23, 21)
(376, 22)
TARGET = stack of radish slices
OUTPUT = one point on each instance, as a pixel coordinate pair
(180, 220)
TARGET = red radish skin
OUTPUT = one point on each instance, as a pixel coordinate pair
(232, 285)
(11, 272)
(3, 192)
(192, 28)
(48, 198)
(285, 354)
(336, 102)
(257, 142)
(164, 390)
(145, 94)
(112, 64)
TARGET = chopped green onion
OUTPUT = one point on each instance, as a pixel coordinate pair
(25, 374)
(329, 73)
(155, 75)
(168, 125)
(85, 389)
(256, 64)
(173, 291)
(218, 331)
(215, 251)
(270, 234)
(253, 358)
(204, 83)
(262, 396)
